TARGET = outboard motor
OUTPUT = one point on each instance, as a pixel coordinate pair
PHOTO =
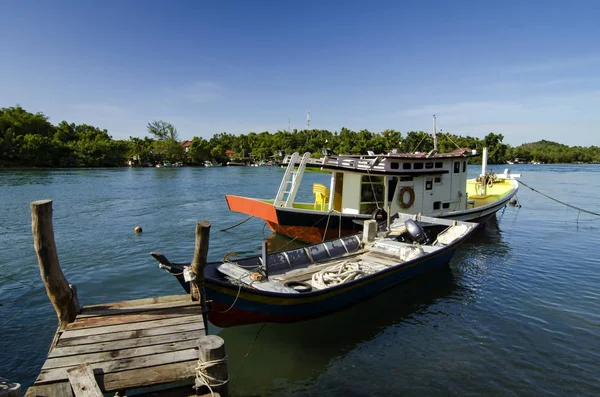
(416, 232)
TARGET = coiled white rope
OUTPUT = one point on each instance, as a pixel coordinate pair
(202, 378)
(341, 273)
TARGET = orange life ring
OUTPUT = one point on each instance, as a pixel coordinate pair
(411, 199)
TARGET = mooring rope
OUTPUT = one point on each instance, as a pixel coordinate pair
(237, 224)
(203, 378)
(558, 201)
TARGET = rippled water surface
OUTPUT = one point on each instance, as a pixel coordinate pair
(516, 313)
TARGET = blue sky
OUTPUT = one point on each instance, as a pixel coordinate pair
(526, 69)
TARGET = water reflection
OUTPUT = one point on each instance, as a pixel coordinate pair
(262, 355)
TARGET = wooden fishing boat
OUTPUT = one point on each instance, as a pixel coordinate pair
(433, 184)
(319, 279)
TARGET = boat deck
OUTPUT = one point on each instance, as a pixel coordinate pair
(496, 192)
(128, 345)
(300, 206)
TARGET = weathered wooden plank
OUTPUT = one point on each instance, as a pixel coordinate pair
(388, 259)
(123, 344)
(305, 274)
(135, 317)
(83, 382)
(243, 275)
(61, 389)
(92, 358)
(139, 302)
(184, 391)
(59, 374)
(138, 326)
(97, 312)
(150, 376)
(67, 340)
(386, 262)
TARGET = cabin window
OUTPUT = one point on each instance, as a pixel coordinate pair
(428, 166)
(446, 206)
(437, 179)
(428, 184)
(392, 183)
(418, 166)
(436, 205)
(457, 167)
(406, 178)
(464, 166)
(372, 179)
(371, 193)
(406, 166)
(394, 165)
(439, 164)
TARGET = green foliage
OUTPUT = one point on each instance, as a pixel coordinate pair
(162, 130)
(28, 139)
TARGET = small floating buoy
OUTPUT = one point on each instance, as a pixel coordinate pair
(137, 229)
(513, 202)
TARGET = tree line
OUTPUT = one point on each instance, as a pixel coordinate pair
(28, 139)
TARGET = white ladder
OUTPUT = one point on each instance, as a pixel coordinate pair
(291, 179)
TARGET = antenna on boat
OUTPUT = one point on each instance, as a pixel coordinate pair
(308, 119)
(289, 125)
(435, 145)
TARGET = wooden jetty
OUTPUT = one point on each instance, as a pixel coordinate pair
(152, 346)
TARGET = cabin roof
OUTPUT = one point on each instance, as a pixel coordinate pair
(462, 152)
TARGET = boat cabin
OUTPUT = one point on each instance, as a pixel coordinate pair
(410, 183)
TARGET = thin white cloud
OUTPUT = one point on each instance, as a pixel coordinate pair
(197, 92)
(562, 64)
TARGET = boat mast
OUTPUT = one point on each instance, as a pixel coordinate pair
(435, 145)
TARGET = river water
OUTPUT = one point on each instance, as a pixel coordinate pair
(516, 313)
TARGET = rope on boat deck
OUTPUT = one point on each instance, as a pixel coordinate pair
(558, 201)
(341, 273)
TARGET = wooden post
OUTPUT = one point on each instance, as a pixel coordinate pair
(9, 389)
(198, 264)
(212, 348)
(369, 231)
(63, 297)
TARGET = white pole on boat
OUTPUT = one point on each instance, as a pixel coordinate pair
(484, 171)
(265, 257)
(331, 191)
(435, 145)
(484, 161)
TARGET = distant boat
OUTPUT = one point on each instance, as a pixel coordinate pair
(164, 164)
(316, 280)
(235, 163)
(213, 163)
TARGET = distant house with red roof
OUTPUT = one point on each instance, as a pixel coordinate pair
(186, 145)
(229, 153)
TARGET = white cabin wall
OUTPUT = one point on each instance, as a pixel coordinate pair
(351, 193)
